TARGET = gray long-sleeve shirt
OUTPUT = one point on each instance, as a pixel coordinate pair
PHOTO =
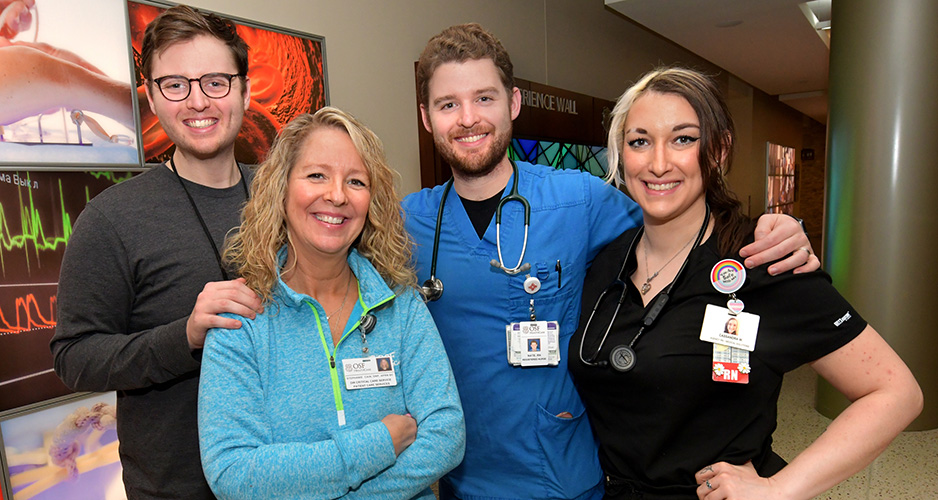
(133, 268)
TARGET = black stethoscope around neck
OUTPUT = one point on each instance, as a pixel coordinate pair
(432, 288)
(622, 357)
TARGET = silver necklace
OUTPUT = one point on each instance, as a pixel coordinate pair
(348, 285)
(646, 286)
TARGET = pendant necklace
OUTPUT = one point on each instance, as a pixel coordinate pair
(647, 284)
(348, 285)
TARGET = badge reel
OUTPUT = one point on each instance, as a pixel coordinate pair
(368, 371)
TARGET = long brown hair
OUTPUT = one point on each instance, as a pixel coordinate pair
(717, 142)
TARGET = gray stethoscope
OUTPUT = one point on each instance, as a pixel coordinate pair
(432, 289)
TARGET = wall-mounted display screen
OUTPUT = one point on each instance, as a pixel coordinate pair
(74, 120)
(64, 450)
(37, 211)
(287, 75)
(69, 100)
(781, 185)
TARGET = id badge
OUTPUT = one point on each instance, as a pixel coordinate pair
(720, 326)
(733, 335)
(533, 343)
(365, 373)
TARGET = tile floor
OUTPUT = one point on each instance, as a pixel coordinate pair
(907, 470)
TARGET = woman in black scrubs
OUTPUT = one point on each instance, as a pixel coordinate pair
(681, 407)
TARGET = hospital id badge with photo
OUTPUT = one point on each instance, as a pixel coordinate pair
(721, 326)
(533, 343)
(733, 335)
(365, 373)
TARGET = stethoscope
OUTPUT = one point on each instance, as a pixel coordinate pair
(432, 288)
(622, 357)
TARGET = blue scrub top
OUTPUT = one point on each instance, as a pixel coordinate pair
(516, 446)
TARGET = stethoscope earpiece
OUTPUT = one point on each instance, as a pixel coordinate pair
(518, 270)
(512, 196)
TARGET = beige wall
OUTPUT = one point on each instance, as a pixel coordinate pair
(577, 45)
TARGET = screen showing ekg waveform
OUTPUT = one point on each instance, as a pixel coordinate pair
(37, 211)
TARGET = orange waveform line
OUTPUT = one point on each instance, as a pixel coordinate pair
(28, 316)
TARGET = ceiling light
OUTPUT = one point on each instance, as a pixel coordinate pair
(818, 14)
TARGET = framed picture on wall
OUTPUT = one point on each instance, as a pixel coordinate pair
(287, 70)
(64, 448)
(781, 179)
(68, 97)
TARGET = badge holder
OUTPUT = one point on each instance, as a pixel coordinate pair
(533, 343)
(732, 332)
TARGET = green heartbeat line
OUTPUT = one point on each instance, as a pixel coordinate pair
(31, 229)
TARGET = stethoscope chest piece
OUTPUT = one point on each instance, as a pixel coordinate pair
(622, 358)
(432, 289)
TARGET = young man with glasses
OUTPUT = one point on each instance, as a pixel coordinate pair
(142, 280)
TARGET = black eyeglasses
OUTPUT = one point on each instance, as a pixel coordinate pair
(177, 88)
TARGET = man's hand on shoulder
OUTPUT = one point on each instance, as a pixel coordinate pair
(776, 236)
(219, 297)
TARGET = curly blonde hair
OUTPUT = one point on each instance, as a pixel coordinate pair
(252, 251)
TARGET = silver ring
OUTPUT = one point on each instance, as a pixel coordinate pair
(806, 251)
(708, 484)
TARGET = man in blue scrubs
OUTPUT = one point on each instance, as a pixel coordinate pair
(527, 435)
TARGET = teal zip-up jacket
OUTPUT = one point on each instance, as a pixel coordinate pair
(270, 400)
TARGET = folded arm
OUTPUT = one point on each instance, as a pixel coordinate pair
(431, 397)
(240, 457)
(239, 453)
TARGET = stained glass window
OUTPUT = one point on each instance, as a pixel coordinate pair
(560, 155)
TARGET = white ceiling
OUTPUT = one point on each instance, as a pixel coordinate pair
(771, 44)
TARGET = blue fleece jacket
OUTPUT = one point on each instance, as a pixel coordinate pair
(270, 401)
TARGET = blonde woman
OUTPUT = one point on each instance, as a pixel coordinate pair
(294, 403)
